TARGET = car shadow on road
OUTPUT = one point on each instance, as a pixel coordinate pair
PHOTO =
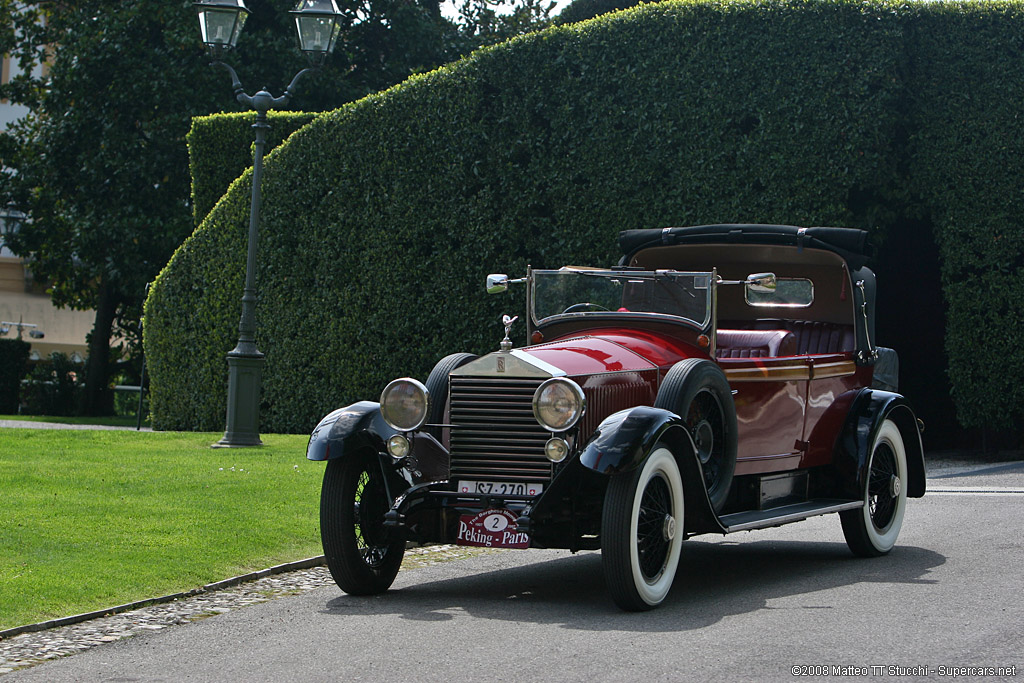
(715, 580)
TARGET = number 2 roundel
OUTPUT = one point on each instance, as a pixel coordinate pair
(496, 522)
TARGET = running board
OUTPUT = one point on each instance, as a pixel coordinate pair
(760, 519)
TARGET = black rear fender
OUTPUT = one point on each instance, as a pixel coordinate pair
(869, 410)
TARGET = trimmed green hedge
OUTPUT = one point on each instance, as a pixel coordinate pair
(220, 150)
(54, 387)
(581, 10)
(967, 162)
(13, 368)
(381, 219)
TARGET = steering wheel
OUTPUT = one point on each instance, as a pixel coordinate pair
(575, 308)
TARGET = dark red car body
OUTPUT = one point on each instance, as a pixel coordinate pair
(759, 413)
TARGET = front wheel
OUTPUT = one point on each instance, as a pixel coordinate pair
(871, 531)
(361, 555)
(641, 531)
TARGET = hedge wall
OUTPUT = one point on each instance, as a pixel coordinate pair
(220, 150)
(13, 368)
(381, 219)
(581, 10)
(967, 164)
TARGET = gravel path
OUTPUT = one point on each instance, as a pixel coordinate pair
(28, 649)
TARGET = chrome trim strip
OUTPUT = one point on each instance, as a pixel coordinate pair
(510, 365)
(791, 372)
(775, 456)
(782, 373)
(841, 368)
(538, 363)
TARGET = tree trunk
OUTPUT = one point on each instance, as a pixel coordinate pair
(97, 396)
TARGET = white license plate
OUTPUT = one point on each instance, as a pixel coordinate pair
(500, 488)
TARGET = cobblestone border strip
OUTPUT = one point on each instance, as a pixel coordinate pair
(308, 563)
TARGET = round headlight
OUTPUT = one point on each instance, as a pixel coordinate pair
(398, 446)
(404, 403)
(558, 404)
(556, 449)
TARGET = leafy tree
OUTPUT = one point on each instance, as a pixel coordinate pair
(96, 162)
(485, 22)
(100, 163)
(581, 10)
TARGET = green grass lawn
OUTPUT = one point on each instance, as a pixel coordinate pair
(93, 519)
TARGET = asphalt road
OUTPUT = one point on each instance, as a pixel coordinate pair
(749, 607)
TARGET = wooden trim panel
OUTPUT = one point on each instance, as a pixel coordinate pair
(791, 372)
(800, 370)
(842, 368)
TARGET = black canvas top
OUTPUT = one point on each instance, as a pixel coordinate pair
(850, 243)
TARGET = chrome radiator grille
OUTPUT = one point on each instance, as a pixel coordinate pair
(494, 435)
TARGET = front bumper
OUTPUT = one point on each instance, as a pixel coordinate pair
(565, 515)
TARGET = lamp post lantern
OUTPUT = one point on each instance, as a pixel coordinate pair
(317, 23)
(221, 22)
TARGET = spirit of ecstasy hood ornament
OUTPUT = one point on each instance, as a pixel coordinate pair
(506, 343)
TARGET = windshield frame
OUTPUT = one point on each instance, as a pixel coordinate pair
(622, 273)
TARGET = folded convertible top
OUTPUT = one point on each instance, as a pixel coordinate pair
(849, 243)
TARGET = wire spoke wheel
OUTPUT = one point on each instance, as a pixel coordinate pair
(882, 498)
(651, 543)
(362, 555)
(641, 531)
(370, 535)
(872, 530)
(707, 427)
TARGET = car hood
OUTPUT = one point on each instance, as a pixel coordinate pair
(602, 352)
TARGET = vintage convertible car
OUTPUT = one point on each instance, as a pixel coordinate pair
(719, 379)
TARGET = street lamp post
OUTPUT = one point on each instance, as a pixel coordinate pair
(10, 222)
(317, 24)
(35, 332)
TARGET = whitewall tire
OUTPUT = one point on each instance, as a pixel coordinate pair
(642, 530)
(872, 530)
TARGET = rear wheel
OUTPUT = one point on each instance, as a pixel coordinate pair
(641, 532)
(361, 555)
(871, 531)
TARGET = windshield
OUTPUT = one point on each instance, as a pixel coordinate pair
(577, 291)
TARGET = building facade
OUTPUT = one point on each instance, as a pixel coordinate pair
(25, 307)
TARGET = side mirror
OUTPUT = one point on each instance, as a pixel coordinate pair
(497, 283)
(762, 283)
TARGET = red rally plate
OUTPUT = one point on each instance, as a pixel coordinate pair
(494, 528)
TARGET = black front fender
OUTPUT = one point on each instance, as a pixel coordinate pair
(355, 426)
(623, 440)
